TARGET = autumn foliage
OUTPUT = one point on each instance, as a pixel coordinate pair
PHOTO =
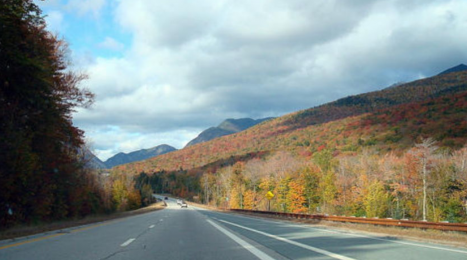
(399, 152)
(358, 156)
(41, 173)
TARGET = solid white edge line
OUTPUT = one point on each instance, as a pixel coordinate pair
(414, 244)
(419, 244)
(261, 255)
(129, 241)
(311, 248)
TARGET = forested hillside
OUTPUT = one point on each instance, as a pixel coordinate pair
(306, 128)
(424, 89)
(395, 153)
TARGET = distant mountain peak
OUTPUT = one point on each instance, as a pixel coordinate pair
(237, 125)
(143, 154)
(460, 67)
(227, 127)
(90, 160)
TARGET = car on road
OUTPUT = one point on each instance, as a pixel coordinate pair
(183, 204)
(179, 201)
(166, 198)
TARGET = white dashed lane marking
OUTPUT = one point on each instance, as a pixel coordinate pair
(129, 241)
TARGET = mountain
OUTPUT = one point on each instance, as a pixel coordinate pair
(209, 134)
(389, 119)
(122, 158)
(416, 91)
(90, 160)
(227, 127)
(460, 67)
(334, 158)
(237, 125)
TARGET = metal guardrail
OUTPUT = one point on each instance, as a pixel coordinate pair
(374, 221)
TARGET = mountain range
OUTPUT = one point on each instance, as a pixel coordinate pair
(227, 127)
(143, 154)
(387, 120)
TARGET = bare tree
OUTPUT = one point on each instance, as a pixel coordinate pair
(424, 151)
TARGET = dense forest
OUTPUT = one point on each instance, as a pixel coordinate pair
(42, 173)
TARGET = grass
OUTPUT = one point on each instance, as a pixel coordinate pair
(28, 230)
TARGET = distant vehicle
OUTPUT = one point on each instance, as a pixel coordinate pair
(183, 204)
(166, 198)
(179, 202)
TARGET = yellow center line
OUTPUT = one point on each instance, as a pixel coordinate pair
(93, 226)
(31, 240)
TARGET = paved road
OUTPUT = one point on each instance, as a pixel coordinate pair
(176, 233)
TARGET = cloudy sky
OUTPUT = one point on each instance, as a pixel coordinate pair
(165, 70)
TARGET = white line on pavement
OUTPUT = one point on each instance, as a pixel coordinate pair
(386, 240)
(315, 249)
(152, 226)
(412, 244)
(261, 255)
(129, 241)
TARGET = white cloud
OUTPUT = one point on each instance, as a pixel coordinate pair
(194, 63)
(83, 7)
(49, 3)
(111, 44)
(55, 22)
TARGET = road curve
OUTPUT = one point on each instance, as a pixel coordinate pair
(176, 233)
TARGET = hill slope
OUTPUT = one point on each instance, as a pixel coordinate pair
(416, 91)
(458, 68)
(91, 160)
(227, 127)
(343, 125)
(122, 158)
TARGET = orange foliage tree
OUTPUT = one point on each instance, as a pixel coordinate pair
(296, 199)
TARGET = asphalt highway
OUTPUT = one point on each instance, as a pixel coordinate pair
(193, 233)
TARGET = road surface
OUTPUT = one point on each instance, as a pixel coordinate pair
(190, 233)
